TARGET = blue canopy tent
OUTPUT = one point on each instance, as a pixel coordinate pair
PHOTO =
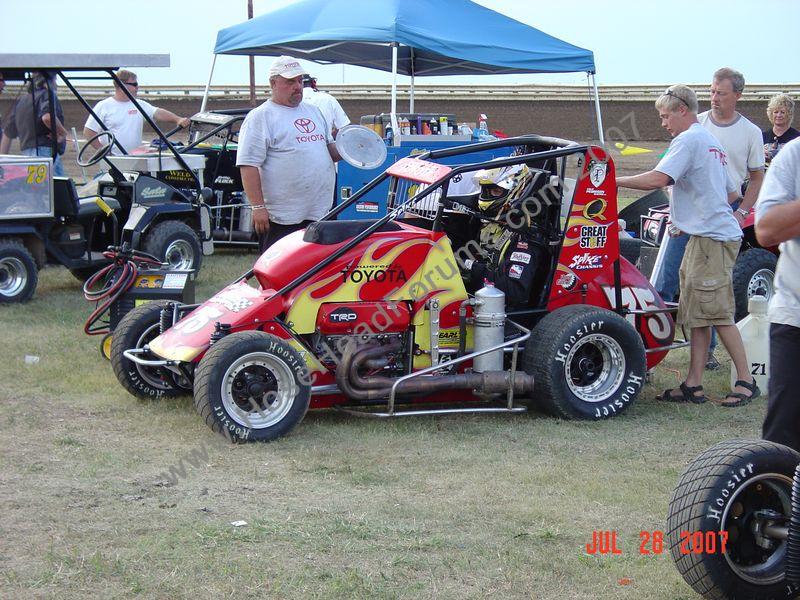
(410, 37)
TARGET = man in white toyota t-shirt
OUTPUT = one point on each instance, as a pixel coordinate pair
(286, 157)
(123, 119)
(694, 165)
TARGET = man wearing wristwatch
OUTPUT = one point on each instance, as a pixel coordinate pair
(286, 157)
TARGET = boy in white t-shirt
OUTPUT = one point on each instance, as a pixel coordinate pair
(123, 119)
(695, 166)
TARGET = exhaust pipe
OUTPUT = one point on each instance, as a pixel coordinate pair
(377, 387)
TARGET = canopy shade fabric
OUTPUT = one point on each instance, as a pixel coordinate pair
(435, 37)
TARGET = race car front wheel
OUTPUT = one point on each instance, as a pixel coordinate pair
(724, 518)
(136, 329)
(252, 387)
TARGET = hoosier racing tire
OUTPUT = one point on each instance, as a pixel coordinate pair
(587, 363)
(252, 387)
(715, 503)
(137, 328)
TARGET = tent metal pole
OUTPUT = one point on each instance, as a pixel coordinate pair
(395, 129)
(597, 110)
(411, 98)
(208, 85)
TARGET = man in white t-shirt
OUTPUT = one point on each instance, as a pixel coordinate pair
(695, 165)
(123, 119)
(327, 104)
(742, 142)
(778, 222)
(286, 157)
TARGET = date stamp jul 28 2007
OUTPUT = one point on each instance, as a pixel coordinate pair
(607, 542)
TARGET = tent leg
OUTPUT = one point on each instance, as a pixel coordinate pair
(411, 99)
(208, 85)
(597, 110)
(395, 129)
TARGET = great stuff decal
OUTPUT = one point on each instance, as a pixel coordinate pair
(591, 242)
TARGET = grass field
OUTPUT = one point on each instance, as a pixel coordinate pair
(103, 495)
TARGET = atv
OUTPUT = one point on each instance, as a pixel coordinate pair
(375, 317)
(49, 220)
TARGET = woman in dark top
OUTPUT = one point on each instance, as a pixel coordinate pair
(780, 112)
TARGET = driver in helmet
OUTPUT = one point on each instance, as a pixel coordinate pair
(510, 246)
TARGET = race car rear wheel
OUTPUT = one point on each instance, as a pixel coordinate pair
(587, 363)
(717, 517)
(753, 275)
(252, 387)
(136, 329)
(18, 273)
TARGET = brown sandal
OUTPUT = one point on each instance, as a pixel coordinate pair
(741, 399)
(687, 394)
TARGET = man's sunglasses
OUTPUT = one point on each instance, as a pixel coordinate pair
(131, 83)
(674, 95)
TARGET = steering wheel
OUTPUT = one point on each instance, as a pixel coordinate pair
(103, 151)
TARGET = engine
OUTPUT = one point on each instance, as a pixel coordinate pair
(340, 324)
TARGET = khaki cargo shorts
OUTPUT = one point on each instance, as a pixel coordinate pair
(707, 283)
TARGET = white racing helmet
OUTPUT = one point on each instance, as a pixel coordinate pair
(500, 187)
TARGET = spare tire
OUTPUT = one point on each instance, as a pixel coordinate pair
(716, 524)
(630, 248)
(753, 275)
(632, 213)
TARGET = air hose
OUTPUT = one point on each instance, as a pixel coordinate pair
(106, 286)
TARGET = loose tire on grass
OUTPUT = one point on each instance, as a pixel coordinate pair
(632, 213)
(18, 272)
(587, 363)
(176, 243)
(716, 498)
(753, 274)
(252, 387)
(139, 327)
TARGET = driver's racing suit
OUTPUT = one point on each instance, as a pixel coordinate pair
(509, 262)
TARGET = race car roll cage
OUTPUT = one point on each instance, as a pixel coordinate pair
(563, 149)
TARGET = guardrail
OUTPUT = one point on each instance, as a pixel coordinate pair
(608, 93)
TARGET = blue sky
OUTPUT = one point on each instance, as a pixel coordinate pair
(633, 41)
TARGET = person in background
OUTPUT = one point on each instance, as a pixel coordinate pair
(2, 87)
(327, 104)
(778, 222)
(741, 141)
(121, 117)
(30, 120)
(780, 112)
(694, 165)
(286, 156)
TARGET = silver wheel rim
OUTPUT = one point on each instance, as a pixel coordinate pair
(13, 276)
(770, 571)
(180, 255)
(258, 390)
(595, 367)
(150, 375)
(761, 284)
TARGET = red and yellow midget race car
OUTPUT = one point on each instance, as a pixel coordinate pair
(378, 316)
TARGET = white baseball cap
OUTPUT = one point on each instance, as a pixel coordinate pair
(287, 67)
